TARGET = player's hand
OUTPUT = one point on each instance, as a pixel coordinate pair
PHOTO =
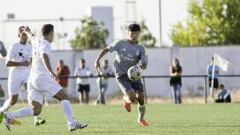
(54, 76)
(143, 66)
(26, 63)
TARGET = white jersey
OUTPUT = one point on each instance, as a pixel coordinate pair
(19, 53)
(40, 83)
(39, 46)
(105, 72)
(82, 72)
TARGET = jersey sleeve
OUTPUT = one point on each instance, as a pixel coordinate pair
(45, 49)
(113, 46)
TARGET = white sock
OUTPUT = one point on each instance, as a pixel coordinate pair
(6, 106)
(67, 109)
(21, 113)
(35, 118)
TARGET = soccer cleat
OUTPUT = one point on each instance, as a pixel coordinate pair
(76, 125)
(127, 106)
(143, 123)
(39, 121)
(8, 122)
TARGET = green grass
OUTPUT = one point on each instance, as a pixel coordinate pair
(214, 119)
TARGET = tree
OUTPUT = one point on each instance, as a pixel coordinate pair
(210, 22)
(146, 37)
(92, 34)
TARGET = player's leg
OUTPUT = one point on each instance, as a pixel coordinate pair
(12, 100)
(141, 109)
(104, 89)
(35, 99)
(14, 85)
(99, 85)
(138, 87)
(129, 95)
(179, 94)
(174, 93)
(67, 109)
(87, 90)
(81, 96)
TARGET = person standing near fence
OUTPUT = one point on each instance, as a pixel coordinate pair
(176, 81)
(82, 73)
(215, 77)
(102, 81)
(62, 74)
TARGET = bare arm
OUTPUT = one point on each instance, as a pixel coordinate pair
(97, 62)
(16, 64)
(47, 64)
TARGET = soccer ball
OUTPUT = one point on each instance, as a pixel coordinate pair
(134, 73)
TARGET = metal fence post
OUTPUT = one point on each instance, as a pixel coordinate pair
(205, 90)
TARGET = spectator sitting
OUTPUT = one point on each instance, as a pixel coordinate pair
(224, 95)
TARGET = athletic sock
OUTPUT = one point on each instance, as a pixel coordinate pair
(35, 118)
(21, 113)
(141, 112)
(67, 109)
(6, 106)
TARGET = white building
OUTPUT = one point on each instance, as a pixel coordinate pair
(36, 12)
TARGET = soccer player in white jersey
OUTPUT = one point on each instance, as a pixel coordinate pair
(41, 82)
(18, 60)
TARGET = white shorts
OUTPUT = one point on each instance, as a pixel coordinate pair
(16, 80)
(41, 86)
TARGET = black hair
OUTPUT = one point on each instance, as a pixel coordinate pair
(46, 29)
(82, 60)
(134, 27)
(20, 28)
(221, 86)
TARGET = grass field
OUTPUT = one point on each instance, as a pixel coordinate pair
(213, 119)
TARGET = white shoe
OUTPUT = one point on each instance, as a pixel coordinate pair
(76, 125)
(8, 121)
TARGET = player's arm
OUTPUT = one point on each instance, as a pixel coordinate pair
(11, 63)
(97, 62)
(144, 59)
(15, 64)
(47, 64)
(3, 50)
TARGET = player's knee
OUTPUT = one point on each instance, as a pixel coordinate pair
(36, 110)
(141, 101)
(61, 95)
(132, 99)
(13, 100)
